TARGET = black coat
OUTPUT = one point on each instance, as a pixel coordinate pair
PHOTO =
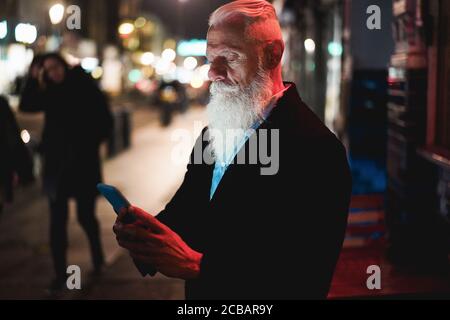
(77, 120)
(14, 156)
(268, 236)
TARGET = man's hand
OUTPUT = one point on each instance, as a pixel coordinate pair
(151, 242)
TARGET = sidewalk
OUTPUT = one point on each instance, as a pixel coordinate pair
(366, 245)
(147, 176)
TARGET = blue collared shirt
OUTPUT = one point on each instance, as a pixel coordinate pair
(221, 167)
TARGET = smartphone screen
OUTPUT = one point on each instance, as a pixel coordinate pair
(115, 198)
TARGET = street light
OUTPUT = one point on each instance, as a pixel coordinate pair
(203, 71)
(25, 33)
(190, 63)
(56, 13)
(140, 22)
(89, 64)
(25, 135)
(310, 45)
(197, 81)
(147, 58)
(335, 49)
(126, 28)
(3, 29)
(169, 54)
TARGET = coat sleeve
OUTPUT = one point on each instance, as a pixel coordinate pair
(32, 99)
(18, 155)
(328, 213)
(100, 119)
(22, 160)
(104, 116)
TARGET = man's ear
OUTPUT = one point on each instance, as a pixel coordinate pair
(273, 53)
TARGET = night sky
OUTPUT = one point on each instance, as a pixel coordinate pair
(195, 14)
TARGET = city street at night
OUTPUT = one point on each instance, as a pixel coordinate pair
(254, 150)
(26, 263)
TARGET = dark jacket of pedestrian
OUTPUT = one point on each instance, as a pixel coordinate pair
(15, 157)
(77, 120)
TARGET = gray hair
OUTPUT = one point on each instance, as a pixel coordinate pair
(254, 12)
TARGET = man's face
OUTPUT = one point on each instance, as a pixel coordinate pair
(241, 88)
(234, 58)
(54, 70)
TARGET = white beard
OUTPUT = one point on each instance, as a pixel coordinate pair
(232, 110)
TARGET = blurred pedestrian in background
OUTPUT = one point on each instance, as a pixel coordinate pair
(77, 120)
(16, 164)
(171, 98)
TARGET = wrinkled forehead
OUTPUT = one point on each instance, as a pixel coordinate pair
(231, 33)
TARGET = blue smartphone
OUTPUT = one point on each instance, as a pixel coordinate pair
(116, 199)
(118, 202)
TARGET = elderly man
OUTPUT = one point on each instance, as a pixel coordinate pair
(231, 231)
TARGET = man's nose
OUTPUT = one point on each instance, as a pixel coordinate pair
(217, 72)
